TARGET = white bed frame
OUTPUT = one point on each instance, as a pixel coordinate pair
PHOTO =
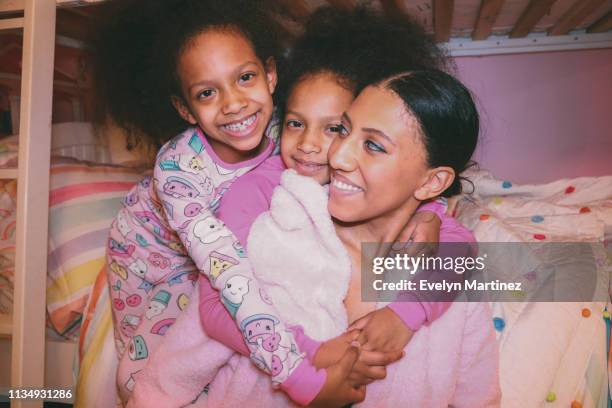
(26, 327)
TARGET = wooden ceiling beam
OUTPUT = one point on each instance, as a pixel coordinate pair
(489, 10)
(530, 17)
(575, 15)
(602, 25)
(343, 4)
(443, 19)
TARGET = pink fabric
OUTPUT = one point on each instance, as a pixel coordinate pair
(452, 362)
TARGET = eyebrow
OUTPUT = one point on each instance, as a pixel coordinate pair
(324, 119)
(240, 68)
(380, 133)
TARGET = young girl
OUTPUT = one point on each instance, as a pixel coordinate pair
(216, 63)
(322, 76)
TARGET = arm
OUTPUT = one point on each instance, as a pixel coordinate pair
(187, 192)
(392, 327)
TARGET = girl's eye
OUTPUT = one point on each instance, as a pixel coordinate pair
(370, 145)
(294, 124)
(205, 94)
(334, 128)
(247, 76)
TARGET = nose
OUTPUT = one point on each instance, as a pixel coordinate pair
(342, 154)
(234, 101)
(309, 142)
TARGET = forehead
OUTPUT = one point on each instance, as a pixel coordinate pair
(321, 93)
(215, 52)
(379, 108)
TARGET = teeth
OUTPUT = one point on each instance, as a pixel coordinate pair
(240, 126)
(346, 187)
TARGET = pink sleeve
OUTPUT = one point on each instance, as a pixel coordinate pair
(437, 206)
(415, 310)
(220, 326)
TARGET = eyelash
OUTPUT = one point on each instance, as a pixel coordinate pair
(251, 75)
(375, 147)
(201, 95)
(292, 124)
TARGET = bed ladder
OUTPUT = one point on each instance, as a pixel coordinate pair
(27, 324)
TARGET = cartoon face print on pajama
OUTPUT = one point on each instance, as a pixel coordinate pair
(219, 263)
(210, 229)
(178, 187)
(261, 327)
(137, 349)
(234, 291)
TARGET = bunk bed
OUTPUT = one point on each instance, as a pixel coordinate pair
(43, 181)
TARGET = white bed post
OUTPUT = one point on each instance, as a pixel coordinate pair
(28, 343)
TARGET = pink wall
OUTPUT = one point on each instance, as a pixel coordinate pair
(544, 116)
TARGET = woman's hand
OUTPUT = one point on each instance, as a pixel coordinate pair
(382, 330)
(337, 390)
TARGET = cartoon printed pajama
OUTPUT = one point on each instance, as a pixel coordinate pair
(163, 236)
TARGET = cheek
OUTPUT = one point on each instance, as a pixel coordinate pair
(288, 143)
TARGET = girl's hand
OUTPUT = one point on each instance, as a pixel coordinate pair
(372, 366)
(331, 351)
(420, 235)
(382, 330)
(337, 390)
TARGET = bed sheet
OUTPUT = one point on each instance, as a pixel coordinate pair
(551, 354)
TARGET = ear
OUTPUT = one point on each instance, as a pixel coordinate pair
(271, 74)
(436, 181)
(183, 109)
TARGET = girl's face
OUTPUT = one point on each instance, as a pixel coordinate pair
(378, 162)
(312, 121)
(228, 92)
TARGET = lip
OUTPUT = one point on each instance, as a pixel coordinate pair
(307, 166)
(242, 133)
(334, 189)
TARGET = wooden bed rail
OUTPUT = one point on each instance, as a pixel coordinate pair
(28, 320)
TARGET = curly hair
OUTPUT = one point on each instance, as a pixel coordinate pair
(358, 47)
(137, 46)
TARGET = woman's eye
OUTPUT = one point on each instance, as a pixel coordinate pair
(205, 94)
(294, 124)
(370, 145)
(247, 76)
(342, 131)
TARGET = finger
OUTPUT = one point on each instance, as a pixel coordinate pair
(348, 360)
(360, 323)
(406, 234)
(379, 358)
(351, 335)
(367, 374)
(358, 380)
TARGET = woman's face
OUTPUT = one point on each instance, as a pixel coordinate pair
(312, 122)
(378, 161)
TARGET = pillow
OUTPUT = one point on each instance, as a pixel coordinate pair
(83, 200)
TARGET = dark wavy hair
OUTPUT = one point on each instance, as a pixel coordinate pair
(358, 47)
(446, 114)
(137, 45)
